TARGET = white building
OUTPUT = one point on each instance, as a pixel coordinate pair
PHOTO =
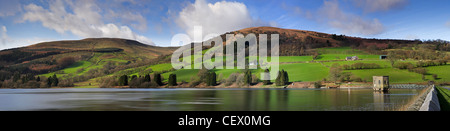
(352, 58)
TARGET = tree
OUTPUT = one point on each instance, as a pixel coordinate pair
(317, 84)
(213, 79)
(133, 77)
(66, 61)
(283, 78)
(345, 76)
(422, 71)
(392, 58)
(247, 77)
(278, 79)
(157, 79)
(123, 80)
(16, 76)
(147, 78)
(315, 55)
(220, 78)
(335, 72)
(136, 82)
(55, 80)
(172, 80)
(231, 79)
(286, 78)
(435, 77)
(49, 81)
(390, 46)
(203, 75)
(266, 80)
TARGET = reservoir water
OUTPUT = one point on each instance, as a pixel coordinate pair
(239, 99)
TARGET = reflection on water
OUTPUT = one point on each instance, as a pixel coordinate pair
(204, 99)
(381, 100)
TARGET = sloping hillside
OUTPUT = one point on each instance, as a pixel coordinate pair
(82, 55)
(129, 46)
(301, 42)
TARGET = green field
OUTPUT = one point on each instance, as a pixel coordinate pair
(327, 57)
(182, 74)
(161, 67)
(71, 69)
(444, 98)
(443, 72)
(84, 66)
(395, 75)
(340, 53)
(157, 67)
(303, 68)
(292, 58)
(305, 71)
(299, 68)
(382, 63)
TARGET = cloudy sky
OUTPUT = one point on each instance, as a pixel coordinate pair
(154, 22)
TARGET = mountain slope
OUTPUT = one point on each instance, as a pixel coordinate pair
(129, 46)
(48, 57)
(292, 41)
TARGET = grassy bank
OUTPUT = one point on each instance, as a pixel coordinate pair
(444, 98)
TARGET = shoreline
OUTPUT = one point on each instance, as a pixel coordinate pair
(292, 85)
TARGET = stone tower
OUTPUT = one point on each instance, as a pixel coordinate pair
(381, 83)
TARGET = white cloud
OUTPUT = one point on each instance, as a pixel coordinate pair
(216, 18)
(135, 20)
(9, 7)
(333, 16)
(380, 5)
(346, 22)
(81, 18)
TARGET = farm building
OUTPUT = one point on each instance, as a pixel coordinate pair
(351, 58)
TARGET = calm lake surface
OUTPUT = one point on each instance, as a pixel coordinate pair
(204, 99)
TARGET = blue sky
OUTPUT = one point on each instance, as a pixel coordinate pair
(26, 22)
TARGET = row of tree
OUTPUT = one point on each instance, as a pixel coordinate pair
(29, 81)
(360, 66)
(135, 81)
(432, 63)
(52, 81)
(416, 69)
(242, 78)
(420, 54)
